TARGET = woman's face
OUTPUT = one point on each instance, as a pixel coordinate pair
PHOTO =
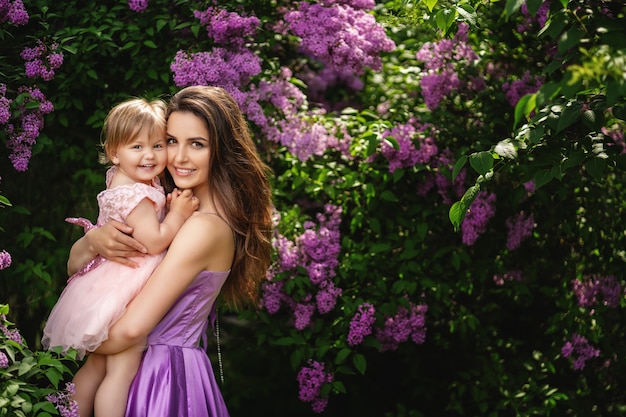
(187, 150)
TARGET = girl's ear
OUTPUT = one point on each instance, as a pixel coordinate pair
(114, 159)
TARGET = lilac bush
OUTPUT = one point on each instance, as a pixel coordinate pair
(29, 381)
(447, 186)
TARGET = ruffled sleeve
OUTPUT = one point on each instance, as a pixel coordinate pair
(117, 203)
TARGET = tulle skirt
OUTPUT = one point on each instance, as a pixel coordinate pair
(91, 303)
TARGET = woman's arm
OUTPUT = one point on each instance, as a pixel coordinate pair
(112, 241)
(204, 242)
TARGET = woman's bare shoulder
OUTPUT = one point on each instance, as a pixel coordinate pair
(207, 237)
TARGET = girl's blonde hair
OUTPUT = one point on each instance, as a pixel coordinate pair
(127, 120)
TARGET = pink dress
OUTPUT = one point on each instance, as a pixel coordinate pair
(97, 295)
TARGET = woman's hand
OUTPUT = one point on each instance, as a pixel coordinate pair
(112, 241)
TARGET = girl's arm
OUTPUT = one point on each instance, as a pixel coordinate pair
(112, 241)
(156, 236)
(204, 242)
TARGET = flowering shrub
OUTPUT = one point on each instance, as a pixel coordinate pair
(29, 381)
(448, 191)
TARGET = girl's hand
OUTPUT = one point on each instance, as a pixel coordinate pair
(183, 202)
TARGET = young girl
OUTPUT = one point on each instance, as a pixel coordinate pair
(96, 296)
(222, 250)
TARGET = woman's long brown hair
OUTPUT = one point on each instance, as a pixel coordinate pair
(239, 180)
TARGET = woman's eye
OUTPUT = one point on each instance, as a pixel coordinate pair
(171, 141)
(197, 144)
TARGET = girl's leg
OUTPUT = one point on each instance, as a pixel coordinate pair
(113, 391)
(87, 380)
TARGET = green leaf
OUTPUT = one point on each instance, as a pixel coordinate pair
(5, 201)
(160, 24)
(569, 115)
(342, 355)
(570, 39)
(468, 13)
(150, 44)
(283, 341)
(393, 142)
(547, 92)
(360, 363)
(458, 166)
(430, 4)
(388, 196)
(512, 6)
(595, 167)
(444, 19)
(524, 107)
(542, 177)
(482, 162)
(573, 159)
(54, 377)
(458, 210)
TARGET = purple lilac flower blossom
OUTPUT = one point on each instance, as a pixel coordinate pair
(407, 155)
(11, 334)
(300, 131)
(5, 259)
(355, 4)
(593, 289)
(227, 28)
(517, 89)
(361, 324)
(42, 61)
(310, 380)
(321, 247)
(435, 87)
(327, 79)
(272, 296)
(407, 323)
(519, 227)
(63, 401)
(480, 212)
(23, 135)
(4, 361)
(287, 253)
(617, 135)
(302, 315)
(220, 67)
(541, 17)
(340, 36)
(5, 107)
(14, 12)
(303, 136)
(326, 297)
(579, 350)
(442, 62)
(138, 5)
(514, 275)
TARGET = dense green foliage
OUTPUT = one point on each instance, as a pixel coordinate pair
(499, 314)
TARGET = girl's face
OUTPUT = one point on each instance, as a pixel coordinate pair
(187, 150)
(143, 158)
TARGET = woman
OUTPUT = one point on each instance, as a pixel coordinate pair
(224, 249)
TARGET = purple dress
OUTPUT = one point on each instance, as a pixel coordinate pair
(175, 378)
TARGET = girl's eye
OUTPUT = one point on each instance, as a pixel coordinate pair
(136, 147)
(158, 146)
